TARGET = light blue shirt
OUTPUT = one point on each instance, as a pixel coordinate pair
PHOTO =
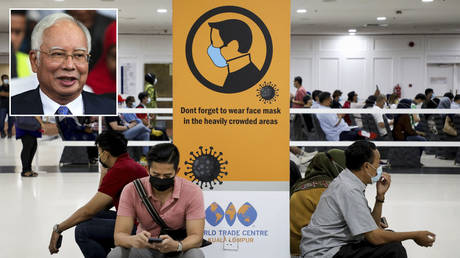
(328, 123)
(129, 117)
(315, 104)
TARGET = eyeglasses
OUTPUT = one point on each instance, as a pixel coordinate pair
(59, 56)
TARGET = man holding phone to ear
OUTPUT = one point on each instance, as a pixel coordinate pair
(343, 225)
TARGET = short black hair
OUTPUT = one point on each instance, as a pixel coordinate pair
(457, 97)
(428, 91)
(4, 75)
(113, 142)
(164, 153)
(306, 98)
(142, 95)
(351, 95)
(315, 94)
(130, 99)
(449, 95)
(323, 96)
(336, 93)
(298, 79)
(233, 29)
(420, 96)
(359, 153)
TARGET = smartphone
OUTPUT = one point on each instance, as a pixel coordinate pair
(59, 242)
(155, 240)
(384, 220)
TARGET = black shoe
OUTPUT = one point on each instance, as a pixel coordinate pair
(3, 134)
(10, 135)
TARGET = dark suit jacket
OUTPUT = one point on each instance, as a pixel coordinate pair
(29, 103)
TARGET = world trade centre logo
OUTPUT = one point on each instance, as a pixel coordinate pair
(246, 214)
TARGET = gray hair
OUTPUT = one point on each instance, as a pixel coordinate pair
(50, 20)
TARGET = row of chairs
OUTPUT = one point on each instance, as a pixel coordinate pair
(397, 156)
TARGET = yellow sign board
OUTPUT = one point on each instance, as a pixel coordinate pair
(231, 90)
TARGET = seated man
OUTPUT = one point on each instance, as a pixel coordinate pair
(156, 134)
(335, 127)
(178, 201)
(132, 131)
(378, 117)
(95, 223)
(73, 130)
(343, 224)
(61, 80)
(456, 103)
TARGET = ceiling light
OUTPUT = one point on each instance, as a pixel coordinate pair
(301, 10)
(162, 11)
(59, 0)
(352, 33)
(382, 18)
(427, 1)
(352, 30)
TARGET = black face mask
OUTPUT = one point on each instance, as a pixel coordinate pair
(161, 184)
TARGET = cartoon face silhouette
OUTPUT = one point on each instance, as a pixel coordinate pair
(230, 43)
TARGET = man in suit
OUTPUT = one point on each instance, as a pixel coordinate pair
(61, 79)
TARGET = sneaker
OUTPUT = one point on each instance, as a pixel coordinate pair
(370, 135)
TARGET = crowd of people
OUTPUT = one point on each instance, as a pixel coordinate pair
(339, 127)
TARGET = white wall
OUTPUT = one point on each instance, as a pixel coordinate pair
(328, 62)
(361, 62)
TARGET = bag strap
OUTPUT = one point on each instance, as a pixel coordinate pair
(152, 211)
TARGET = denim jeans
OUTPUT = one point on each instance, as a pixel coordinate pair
(3, 114)
(95, 236)
(417, 138)
(139, 132)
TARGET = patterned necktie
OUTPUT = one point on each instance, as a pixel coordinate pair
(63, 110)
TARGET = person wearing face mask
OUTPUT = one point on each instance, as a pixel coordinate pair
(344, 226)
(94, 221)
(178, 201)
(231, 41)
(336, 99)
(4, 107)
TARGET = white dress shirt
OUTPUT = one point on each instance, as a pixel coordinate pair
(50, 106)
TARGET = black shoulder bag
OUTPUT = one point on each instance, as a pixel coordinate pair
(176, 234)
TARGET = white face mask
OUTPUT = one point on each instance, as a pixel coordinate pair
(6, 81)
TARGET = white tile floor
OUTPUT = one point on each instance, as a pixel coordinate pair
(31, 206)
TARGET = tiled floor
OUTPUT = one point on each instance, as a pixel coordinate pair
(31, 206)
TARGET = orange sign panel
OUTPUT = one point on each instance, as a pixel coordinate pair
(231, 90)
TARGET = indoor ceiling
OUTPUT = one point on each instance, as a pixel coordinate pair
(321, 16)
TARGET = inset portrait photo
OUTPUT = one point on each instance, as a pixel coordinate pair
(63, 62)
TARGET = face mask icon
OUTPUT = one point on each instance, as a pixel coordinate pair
(216, 56)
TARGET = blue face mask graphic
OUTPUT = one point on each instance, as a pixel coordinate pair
(376, 178)
(216, 56)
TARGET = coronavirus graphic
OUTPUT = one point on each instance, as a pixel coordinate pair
(267, 92)
(206, 167)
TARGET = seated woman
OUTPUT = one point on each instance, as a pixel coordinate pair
(403, 130)
(305, 194)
